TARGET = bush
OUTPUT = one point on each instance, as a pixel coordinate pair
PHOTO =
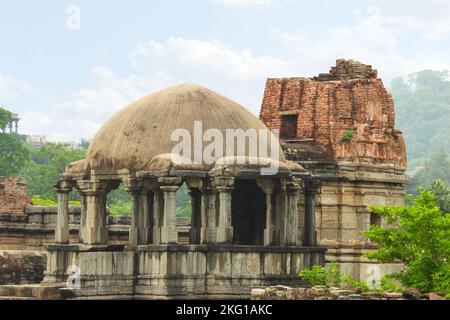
(318, 275)
(418, 235)
(348, 135)
(39, 201)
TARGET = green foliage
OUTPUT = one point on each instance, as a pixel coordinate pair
(437, 167)
(120, 208)
(418, 235)
(348, 135)
(5, 117)
(184, 206)
(422, 104)
(352, 282)
(13, 154)
(388, 283)
(441, 280)
(39, 201)
(45, 165)
(318, 275)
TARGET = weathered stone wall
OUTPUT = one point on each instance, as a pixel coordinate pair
(13, 196)
(21, 267)
(350, 97)
(36, 228)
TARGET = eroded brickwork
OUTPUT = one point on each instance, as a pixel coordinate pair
(13, 196)
(350, 97)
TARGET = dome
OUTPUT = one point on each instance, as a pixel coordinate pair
(141, 131)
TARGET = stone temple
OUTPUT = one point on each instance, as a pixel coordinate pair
(338, 153)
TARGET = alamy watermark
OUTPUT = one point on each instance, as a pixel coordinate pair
(73, 21)
(74, 278)
(258, 147)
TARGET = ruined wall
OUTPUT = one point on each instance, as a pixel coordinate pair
(13, 196)
(350, 97)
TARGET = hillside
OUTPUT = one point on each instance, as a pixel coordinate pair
(422, 103)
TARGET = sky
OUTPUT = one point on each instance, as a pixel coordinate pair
(67, 66)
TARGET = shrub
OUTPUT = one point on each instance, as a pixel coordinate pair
(348, 135)
(318, 275)
(352, 282)
(418, 235)
(39, 201)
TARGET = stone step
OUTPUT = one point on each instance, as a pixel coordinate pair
(9, 298)
(32, 291)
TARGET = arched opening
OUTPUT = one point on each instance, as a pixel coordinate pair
(248, 208)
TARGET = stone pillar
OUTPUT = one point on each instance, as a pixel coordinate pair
(134, 187)
(224, 186)
(310, 236)
(158, 214)
(169, 187)
(82, 228)
(147, 213)
(16, 127)
(267, 187)
(96, 231)
(62, 188)
(209, 227)
(291, 216)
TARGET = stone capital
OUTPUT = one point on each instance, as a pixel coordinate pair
(224, 184)
(91, 187)
(293, 186)
(133, 185)
(63, 186)
(170, 181)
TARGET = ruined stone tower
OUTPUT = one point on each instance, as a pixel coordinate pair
(341, 126)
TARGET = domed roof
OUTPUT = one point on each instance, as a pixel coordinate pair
(135, 135)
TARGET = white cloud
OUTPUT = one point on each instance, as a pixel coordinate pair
(243, 4)
(372, 40)
(238, 74)
(11, 88)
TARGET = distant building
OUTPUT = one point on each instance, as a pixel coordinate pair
(36, 141)
(13, 126)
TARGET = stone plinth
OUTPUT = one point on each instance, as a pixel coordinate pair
(174, 271)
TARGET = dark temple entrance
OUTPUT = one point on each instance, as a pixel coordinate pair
(248, 213)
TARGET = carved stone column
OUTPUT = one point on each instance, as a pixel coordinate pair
(224, 186)
(169, 187)
(62, 188)
(209, 213)
(158, 215)
(96, 231)
(291, 217)
(134, 187)
(310, 236)
(82, 228)
(147, 212)
(267, 187)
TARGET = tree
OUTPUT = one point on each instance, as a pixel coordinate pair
(418, 235)
(437, 167)
(13, 154)
(422, 103)
(5, 118)
(44, 167)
